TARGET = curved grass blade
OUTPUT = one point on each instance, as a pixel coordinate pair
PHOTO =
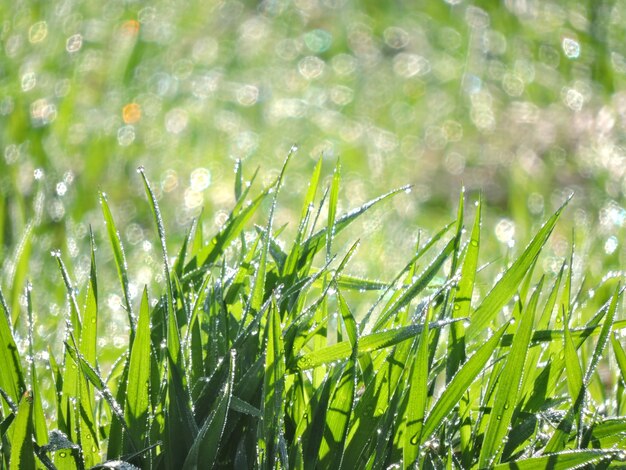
(22, 449)
(468, 372)
(507, 286)
(508, 387)
(560, 461)
(204, 451)
(368, 343)
(19, 269)
(120, 259)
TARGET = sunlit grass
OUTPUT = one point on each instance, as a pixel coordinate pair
(258, 351)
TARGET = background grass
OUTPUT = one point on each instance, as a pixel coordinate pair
(522, 103)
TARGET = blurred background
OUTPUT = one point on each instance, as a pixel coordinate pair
(522, 100)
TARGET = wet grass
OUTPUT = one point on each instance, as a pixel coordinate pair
(260, 349)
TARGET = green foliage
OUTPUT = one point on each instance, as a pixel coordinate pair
(254, 356)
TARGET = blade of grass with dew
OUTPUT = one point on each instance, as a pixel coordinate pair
(463, 298)
(560, 437)
(273, 391)
(181, 428)
(607, 433)
(137, 406)
(373, 404)
(317, 241)
(332, 448)
(506, 287)
(455, 389)
(367, 343)
(456, 342)
(416, 287)
(204, 451)
(332, 209)
(233, 227)
(87, 347)
(75, 317)
(40, 428)
(559, 461)
(22, 450)
(120, 260)
(296, 249)
(19, 270)
(620, 359)
(509, 385)
(11, 375)
(573, 370)
(417, 396)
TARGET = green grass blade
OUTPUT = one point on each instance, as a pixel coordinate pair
(204, 451)
(620, 356)
(273, 391)
(604, 335)
(510, 382)
(137, 406)
(368, 343)
(572, 364)
(22, 449)
(416, 287)
(18, 273)
(463, 299)
(507, 286)
(316, 241)
(11, 375)
(565, 460)
(332, 448)
(418, 396)
(453, 392)
(120, 259)
(332, 209)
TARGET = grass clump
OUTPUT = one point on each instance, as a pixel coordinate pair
(258, 356)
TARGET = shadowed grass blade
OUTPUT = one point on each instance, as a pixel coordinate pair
(11, 375)
(204, 451)
(22, 450)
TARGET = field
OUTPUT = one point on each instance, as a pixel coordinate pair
(312, 233)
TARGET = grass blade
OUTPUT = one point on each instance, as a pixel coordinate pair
(11, 375)
(472, 368)
(137, 390)
(418, 396)
(507, 286)
(120, 259)
(560, 461)
(22, 449)
(204, 451)
(508, 387)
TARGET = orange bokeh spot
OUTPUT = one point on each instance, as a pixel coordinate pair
(131, 113)
(130, 28)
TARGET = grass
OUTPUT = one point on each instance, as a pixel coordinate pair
(257, 352)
